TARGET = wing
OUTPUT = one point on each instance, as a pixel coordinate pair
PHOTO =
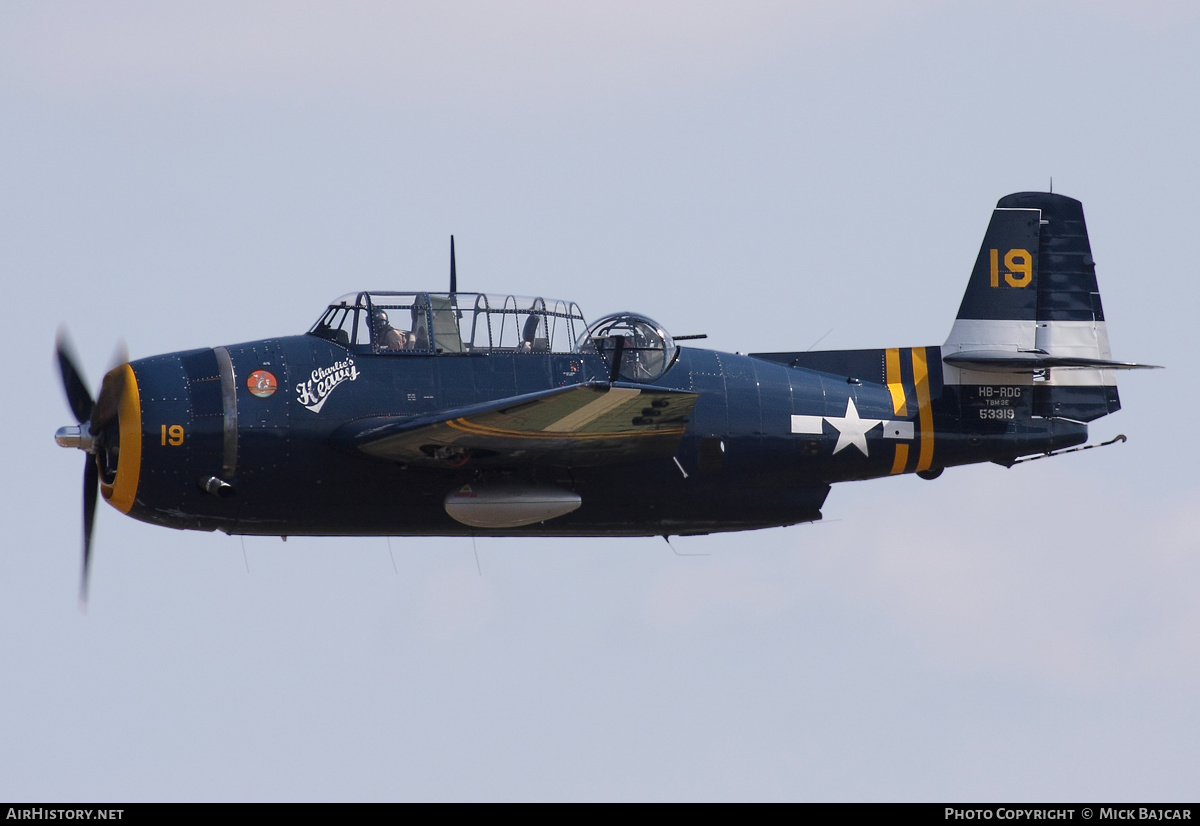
(582, 425)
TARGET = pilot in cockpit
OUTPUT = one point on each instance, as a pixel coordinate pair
(385, 335)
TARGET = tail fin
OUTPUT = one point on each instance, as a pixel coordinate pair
(1032, 314)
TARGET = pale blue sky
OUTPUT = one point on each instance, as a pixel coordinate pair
(195, 174)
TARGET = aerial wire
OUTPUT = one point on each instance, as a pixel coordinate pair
(818, 341)
(667, 539)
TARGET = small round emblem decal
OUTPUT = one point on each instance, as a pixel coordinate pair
(261, 383)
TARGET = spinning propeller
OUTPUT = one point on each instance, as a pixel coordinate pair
(97, 434)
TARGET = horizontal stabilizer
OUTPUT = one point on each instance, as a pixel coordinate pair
(1008, 361)
(582, 425)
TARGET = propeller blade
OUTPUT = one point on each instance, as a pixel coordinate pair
(120, 354)
(91, 487)
(105, 409)
(78, 396)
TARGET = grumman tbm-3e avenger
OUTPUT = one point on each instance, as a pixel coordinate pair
(420, 413)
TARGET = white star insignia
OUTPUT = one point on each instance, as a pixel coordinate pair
(851, 429)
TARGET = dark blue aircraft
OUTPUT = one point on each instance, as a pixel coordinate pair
(417, 413)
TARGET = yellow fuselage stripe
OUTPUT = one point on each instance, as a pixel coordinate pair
(924, 411)
(894, 384)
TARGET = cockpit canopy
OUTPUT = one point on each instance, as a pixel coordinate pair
(387, 322)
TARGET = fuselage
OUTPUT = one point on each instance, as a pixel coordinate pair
(243, 438)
